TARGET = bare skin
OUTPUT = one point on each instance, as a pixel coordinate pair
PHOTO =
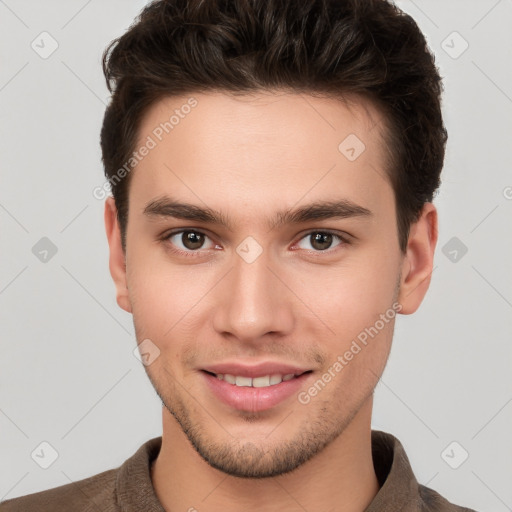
(301, 302)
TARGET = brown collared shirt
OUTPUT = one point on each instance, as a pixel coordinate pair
(128, 488)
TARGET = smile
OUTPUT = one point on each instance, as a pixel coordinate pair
(257, 393)
(256, 382)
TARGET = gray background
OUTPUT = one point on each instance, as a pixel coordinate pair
(68, 375)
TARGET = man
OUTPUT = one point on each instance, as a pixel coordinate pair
(273, 166)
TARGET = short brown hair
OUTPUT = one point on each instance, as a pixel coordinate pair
(368, 48)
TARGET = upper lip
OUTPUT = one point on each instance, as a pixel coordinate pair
(255, 370)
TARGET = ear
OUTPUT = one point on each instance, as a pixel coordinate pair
(418, 261)
(117, 262)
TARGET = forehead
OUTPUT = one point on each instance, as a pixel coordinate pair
(259, 148)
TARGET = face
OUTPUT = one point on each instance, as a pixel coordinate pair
(262, 243)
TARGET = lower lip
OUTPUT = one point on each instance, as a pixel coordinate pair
(246, 398)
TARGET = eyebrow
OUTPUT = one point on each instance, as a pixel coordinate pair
(319, 210)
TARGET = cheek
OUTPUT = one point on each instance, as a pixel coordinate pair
(351, 296)
(165, 298)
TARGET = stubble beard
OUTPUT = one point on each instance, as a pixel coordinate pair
(247, 459)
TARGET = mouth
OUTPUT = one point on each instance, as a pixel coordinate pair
(263, 381)
(255, 393)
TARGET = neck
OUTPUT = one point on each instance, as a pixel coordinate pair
(341, 477)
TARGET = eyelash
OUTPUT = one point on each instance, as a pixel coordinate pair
(193, 254)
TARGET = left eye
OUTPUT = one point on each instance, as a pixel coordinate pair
(319, 241)
(190, 240)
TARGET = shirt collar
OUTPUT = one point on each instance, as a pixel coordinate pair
(398, 485)
(134, 488)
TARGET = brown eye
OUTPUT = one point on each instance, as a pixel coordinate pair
(321, 241)
(189, 240)
(318, 241)
(192, 239)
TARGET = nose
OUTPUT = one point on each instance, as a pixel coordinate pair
(252, 302)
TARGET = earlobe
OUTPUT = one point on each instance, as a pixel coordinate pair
(117, 262)
(418, 261)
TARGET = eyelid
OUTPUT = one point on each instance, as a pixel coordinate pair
(189, 253)
(344, 239)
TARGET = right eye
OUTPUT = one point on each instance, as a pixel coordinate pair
(189, 240)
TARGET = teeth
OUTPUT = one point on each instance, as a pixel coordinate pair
(257, 382)
(243, 381)
(261, 382)
(230, 378)
(275, 379)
